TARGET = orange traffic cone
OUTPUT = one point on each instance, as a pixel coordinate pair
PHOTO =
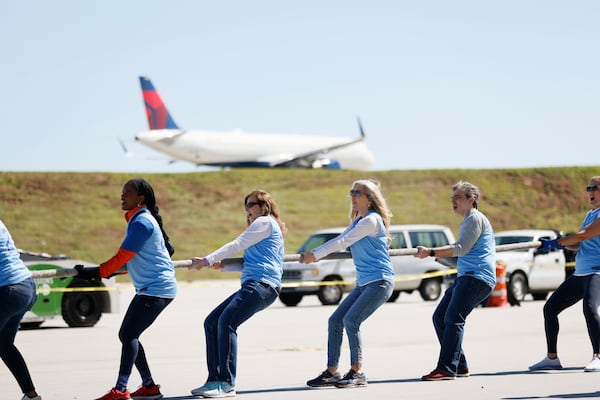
(499, 296)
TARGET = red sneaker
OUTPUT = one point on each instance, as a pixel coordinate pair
(114, 394)
(147, 393)
(437, 375)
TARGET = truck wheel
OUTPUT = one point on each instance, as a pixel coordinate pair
(394, 296)
(82, 309)
(330, 294)
(540, 295)
(430, 289)
(290, 299)
(517, 287)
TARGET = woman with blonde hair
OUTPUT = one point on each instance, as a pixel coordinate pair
(368, 238)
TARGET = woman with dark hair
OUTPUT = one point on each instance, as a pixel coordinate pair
(146, 252)
(582, 284)
(262, 243)
(17, 296)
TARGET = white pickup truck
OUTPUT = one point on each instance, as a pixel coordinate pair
(530, 271)
(313, 279)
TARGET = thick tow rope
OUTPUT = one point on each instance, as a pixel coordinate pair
(239, 261)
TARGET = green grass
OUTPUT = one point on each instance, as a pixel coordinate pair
(79, 214)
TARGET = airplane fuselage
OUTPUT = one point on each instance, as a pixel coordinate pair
(238, 148)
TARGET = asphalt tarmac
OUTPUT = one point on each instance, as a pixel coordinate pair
(282, 347)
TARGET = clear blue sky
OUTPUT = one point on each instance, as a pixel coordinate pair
(437, 84)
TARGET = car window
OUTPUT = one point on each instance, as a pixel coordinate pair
(500, 240)
(398, 241)
(428, 238)
(316, 240)
(512, 239)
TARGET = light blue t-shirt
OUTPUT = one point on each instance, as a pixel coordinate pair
(151, 269)
(368, 241)
(478, 258)
(587, 260)
(263, 246)
(12, 269)
(263, 261)
(371, 256)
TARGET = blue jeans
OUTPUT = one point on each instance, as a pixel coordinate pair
(360, 303)
(568, 293)
(15, 301)
(449, 320)
(220, 328)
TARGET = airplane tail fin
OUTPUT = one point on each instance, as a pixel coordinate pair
(156, 111)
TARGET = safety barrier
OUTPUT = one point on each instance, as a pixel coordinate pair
(499, 296)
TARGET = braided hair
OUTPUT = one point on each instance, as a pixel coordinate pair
(144, 189)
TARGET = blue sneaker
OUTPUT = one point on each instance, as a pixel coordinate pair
(223, 389)
(209, 385)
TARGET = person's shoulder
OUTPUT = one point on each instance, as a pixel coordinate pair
(263, 220)
(373, 217)
(479, 218)
(144, 219)
(371, 220)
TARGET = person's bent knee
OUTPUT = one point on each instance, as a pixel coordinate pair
(335, 323)
(350, 324)
(209, 325)
(125, 336)
(549, 310)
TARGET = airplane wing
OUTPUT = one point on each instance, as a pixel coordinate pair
(317, 158)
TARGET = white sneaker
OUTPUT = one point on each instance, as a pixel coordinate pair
(38, 397)
(547, 363)
(593, 366)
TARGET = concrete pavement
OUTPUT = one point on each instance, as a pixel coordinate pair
(281, 347)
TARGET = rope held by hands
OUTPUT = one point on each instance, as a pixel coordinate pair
(65, 272)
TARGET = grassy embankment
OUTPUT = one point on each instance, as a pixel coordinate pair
(79, 213)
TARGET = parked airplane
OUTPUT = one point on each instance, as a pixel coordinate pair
(243, 149)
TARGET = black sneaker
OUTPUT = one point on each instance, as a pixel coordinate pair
(352, 379)
(325, 379)
(463, 373)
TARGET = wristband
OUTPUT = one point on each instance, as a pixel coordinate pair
(432, 253)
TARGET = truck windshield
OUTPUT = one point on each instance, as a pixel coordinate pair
(316, 240)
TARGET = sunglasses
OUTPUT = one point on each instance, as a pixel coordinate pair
(591, 188)
(251, 204)
(355, 193)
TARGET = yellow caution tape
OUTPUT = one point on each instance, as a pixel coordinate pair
(287, 258)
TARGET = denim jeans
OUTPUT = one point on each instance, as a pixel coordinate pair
(572, 290)
(449, 320)
(220, 328)
(15, 301)
(360, 303)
